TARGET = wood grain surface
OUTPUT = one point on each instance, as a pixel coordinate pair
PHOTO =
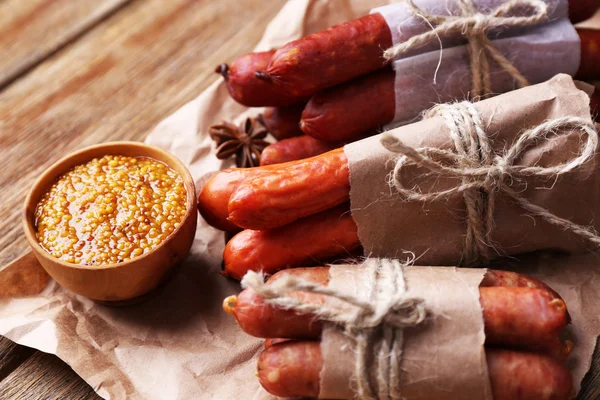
(80, 72)
(32, 30)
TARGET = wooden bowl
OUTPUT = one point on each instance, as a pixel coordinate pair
(129, 279)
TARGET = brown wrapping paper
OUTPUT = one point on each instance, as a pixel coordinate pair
(179, 344)
(383, 217)
(443, 356)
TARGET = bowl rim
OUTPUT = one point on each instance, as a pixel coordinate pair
(57, 169)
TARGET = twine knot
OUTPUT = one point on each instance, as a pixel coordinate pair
(375, 321)
(482, 174)
(473, 26)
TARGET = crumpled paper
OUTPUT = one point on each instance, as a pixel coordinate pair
(178, 344)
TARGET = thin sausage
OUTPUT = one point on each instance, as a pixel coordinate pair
(286, 192)
(214, 196)
(246, 89)
(295, 148)
(327, 58)
(283, 122)
(305, 242)
(513, 316)
(292, 369)
(347, 111)
(343, 52)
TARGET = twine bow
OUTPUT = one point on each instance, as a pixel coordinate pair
(473, 25)
(484, 174)
(375, 323)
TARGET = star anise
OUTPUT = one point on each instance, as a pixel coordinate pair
(246, 142)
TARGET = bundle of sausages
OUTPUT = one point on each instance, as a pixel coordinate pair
(334, 87)
(522, 318)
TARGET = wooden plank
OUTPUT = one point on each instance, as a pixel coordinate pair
(43, 376)
(33, 30)
(11, 356)
(115, 83)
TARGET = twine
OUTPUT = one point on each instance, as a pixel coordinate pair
(483, 174)
(473, 25)
(376, 324)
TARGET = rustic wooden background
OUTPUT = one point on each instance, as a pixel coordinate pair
(79, 72)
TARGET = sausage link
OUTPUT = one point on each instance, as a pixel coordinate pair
(519, 317)
(327, 58)
(518, 375)
(290, 191)
(283, 122)
(299, 244)
(516, 317)
(295, 148)
(246, 89)
(214, 197)
(346, 112)
(346, 51)
(292, 369)
(580, 10)
(590, 54)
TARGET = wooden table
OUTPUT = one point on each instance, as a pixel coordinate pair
(79, 72)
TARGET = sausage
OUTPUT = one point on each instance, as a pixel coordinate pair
(292, 369)
(519, 375)
(330, 57)
(521, 316)
(295, 148)
(246, 89)
(347, 111)
(283, 122)
(214, 196)
(251, 312)
(580, 10)
(513, 316)
(286, 192)
(302, 243)
(590, 54)
(343, 52)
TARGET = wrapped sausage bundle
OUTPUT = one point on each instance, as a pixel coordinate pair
(390, 331)
(508, 175)
(529, 42)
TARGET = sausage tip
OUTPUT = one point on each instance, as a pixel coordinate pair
(223, 69)
(229, 305)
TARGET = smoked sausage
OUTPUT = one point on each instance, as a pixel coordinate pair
(345, 51)
(330, 57)
(292, 369)
(246, 89)
(513, 316)
(283, 193)
(283, 122)
(304, 242)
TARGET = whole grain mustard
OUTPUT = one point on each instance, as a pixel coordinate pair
(110, 210)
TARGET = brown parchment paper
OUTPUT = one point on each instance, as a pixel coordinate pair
(444, 355)
(179, 344)
(435, 231)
